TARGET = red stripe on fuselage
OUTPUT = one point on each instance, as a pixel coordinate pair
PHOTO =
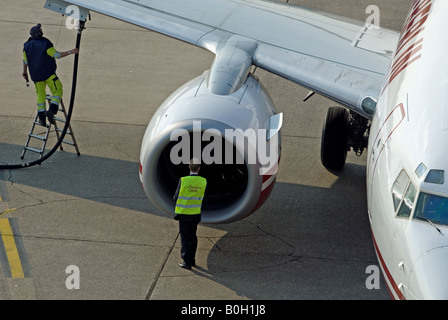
(389, 276)
(408, 53)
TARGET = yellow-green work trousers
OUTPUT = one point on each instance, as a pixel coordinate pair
(55, 86)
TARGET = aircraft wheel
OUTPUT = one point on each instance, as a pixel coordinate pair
(334, 138)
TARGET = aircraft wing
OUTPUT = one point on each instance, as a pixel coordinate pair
(342, 59)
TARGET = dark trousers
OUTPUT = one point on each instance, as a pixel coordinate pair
(188, 225)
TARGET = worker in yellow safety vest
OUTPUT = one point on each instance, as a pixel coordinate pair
(189, 196)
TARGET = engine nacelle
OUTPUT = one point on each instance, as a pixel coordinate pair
(237, 138)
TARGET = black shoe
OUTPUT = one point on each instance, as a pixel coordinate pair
(53, 108)
(41, 119)
(50, 116)
(185, 266)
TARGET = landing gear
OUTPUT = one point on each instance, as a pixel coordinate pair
(342, 131)
(334, 139)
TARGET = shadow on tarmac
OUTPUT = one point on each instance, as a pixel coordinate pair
(304, 243)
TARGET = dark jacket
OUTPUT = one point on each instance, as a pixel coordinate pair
(40, 64)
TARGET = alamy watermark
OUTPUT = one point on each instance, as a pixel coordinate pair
(373, 280)
(373, 20)
(260, 146)
(73, 280)
(74, 13)
(73, 16)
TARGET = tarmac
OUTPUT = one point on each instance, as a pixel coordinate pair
(82, 227)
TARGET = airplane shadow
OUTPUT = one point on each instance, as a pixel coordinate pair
(305, 243)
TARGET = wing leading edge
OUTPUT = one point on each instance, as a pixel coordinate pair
(337, 57)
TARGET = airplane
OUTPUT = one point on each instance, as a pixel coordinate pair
(391, 88)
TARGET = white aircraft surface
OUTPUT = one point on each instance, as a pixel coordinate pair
(392, 87)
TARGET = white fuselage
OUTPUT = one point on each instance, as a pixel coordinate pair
(409, 138)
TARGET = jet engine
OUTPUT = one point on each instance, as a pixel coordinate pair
(236, 137)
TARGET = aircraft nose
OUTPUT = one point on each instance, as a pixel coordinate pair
(429, 276)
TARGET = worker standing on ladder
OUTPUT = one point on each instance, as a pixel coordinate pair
(39, 57)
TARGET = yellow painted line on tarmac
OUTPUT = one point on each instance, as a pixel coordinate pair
(8, 211)
(10, 247)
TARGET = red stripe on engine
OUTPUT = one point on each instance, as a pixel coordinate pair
(264, 195)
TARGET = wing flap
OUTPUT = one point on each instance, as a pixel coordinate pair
(345, 85)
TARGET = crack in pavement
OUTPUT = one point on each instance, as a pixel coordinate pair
(275, 236)
(160, 270)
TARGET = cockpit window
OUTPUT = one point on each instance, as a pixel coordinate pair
(399, 187)
(432, 207)
(403, 193)
(421, 169)
(436, 176)
(408, 202)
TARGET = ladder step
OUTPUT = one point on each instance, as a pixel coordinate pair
(61, 130)
(33, 149)
(37, 136)
(38, 123)
(48, 128)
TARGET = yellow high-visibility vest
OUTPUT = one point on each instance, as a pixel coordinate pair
(191, 194)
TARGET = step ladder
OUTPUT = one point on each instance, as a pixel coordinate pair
(44, 137)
